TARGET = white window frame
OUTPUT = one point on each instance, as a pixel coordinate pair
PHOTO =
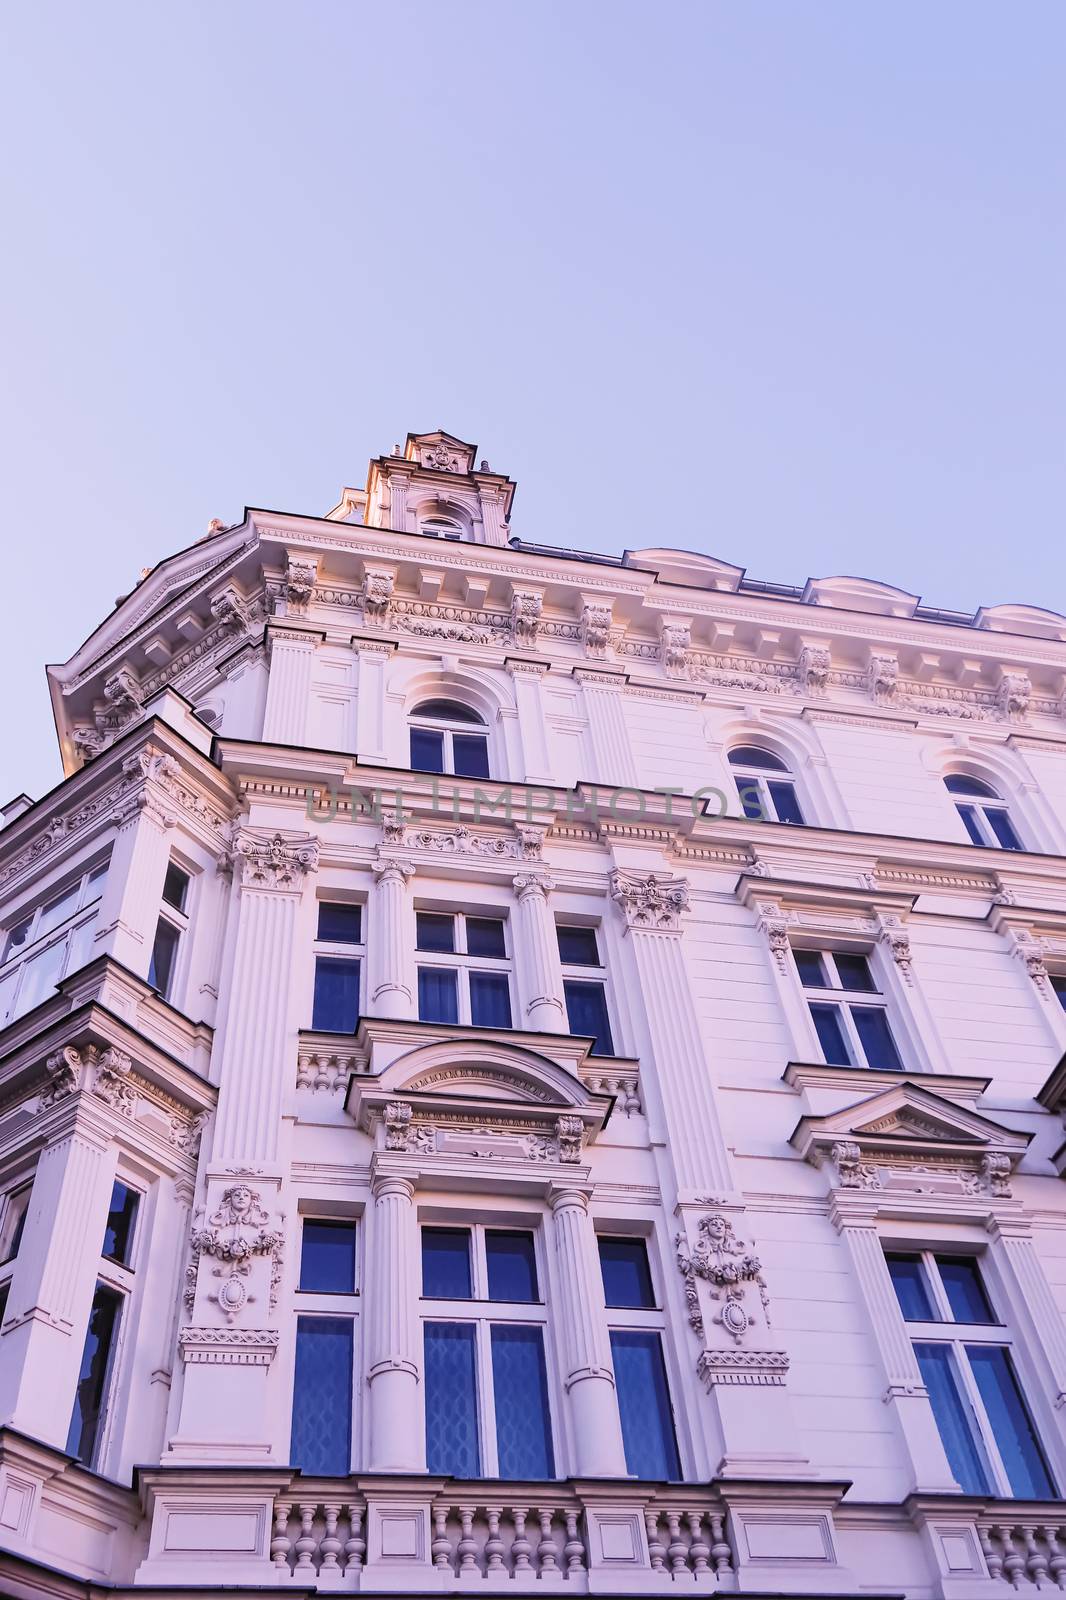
(843, 999)
(461, 962)
(338, 950)
(179, 920)
(449, 727)
(71, 933)
(575, 972)
(945, 1330)
(326, 1303)
(481, 1313)
(759, 778)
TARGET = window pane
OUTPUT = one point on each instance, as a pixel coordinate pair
(512, 1265)
(964, 1289)
(1002, 827)
(854, 973)
(586, 1010)
(175, 887)
(490, 1000)
(811, 968)
(785, 802)
(336, 1007)
(644, 1405)
(577, 946)
(471, 754)
(434, 931)
(484, 936)
(912, 1291)
(90, 1397)
(953, 1418)
(327, 1257)
(121, 1217)
(626, 1274)
(339, 923)
(830, 1035)
(164, 951)
(751, 800)
(875, 1036)
(969, 818)
(451, 1400)
(520, 1390)
(446, 1264)
(427, 750)
(321, 1439)
(438, 995)
(1012, 1427)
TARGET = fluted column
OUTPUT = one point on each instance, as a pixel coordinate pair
(584, 1338)
(652, 904)
(292, 654)
(537, 955)
(612, 750)
(391, 940)
(529, 702)
(397, 1420)
(257, 1049)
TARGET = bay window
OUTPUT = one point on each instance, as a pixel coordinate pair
(849, 1012)
(338, 964)
(48, 942)
(636, 1331)
(463, 969)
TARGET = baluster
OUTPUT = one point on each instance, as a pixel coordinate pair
(656, 1548)
(520, 1547)
(281, 1544)
(698, 1550)
(678, 1550)
(546, 1548)
(1013, 1560)
(306, 1542)
(441, 1548)
(467, 1546)
(494, 1544)
(721, 1551)
(575, 1544)
(1056, 1556)
(993, 1556)
(1035, 1560)
(355, 1549)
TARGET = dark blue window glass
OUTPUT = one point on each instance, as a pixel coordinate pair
(471, 754)
(644, 1404)
(586, 1010)
(878, 1045)
(336, 1007)
(969, 819)
(94, 1375)
(446, 1264)
(451, 1400)
(751, 799)
(490, 1000)
(512, 1266)
(626, 1274)
(912, 1291)
(327, 1257)
(811, 968)
(339, 923)
(438, 995)
(435, 930)
(1003, 828)
(520, 1388)
(121, 1217)
(786, 805)
(964, 1289)
(484, 936)
(950, 1410)
(577, 946)
(854, 974)
(322, 1397)
(427, 750)
(830, 1035)
(1012, 1427)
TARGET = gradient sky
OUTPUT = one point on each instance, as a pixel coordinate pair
(780, 282)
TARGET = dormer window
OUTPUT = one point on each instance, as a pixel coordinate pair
(441, 528)
(766, 787)
(447, 736)
(984, 815)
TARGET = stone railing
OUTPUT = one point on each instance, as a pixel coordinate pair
(1024, 1551)
(325, 1061)
(503, 1532)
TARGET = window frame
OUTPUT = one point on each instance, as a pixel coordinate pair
(14, 964)
(842, 999)
(463, 963)
(339, 950)
(585, 972)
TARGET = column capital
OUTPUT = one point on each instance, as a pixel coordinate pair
(650, 902)
(274, 861)
(533, 885)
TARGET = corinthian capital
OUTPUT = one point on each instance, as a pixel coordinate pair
(274, 861)
(653, 901)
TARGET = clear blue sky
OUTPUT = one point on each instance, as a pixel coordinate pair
(782, 282)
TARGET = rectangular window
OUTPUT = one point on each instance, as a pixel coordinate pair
(469, 978)
(327, 1256)
(850, 1015)
(121, 1222)
(586, 997)
(450, 1362)
(94, 1377)
(338, 967)
(321, 1441)
(626, 1273)
(644, 1404)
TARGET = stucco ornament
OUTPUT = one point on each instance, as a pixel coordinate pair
(652, 901)
(724, 1262)
(238, 1230)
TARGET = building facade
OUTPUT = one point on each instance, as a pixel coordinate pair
(526, 1070)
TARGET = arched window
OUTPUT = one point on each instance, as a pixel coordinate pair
(447, 736)
(766, 787)
(441, 527)
(984, 815)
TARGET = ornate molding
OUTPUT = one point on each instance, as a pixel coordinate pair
(650, 902)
